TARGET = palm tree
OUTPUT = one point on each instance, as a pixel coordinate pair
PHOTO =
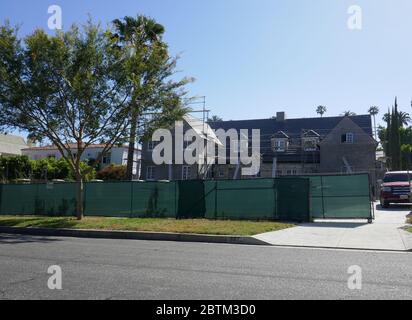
(348, 113)
(373, 111)
(134, 34)
(215, 119)
(321, 110)
(404, 118)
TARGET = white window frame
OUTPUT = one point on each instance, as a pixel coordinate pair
(314, 141)
(186, 172)
(349, 138)
(279, 145)
(150, 172)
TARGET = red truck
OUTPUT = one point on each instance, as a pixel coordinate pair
(396, 188)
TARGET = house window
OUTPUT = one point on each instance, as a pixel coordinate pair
(310, 145)
(279, 145)
(150, 173)
(185, 172)
(347, 137)
(107, 158)
(279, 173)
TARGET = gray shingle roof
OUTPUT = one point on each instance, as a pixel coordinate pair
(293, 128)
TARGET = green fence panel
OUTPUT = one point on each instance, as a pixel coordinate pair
(38, 199)
(340, 197)
(347, 197)
(154, 199)
(18, 199)
(191, 199)
(245, 199)
(111, 199)
(56, 199)
(292, 199)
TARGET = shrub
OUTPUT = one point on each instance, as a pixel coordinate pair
(112, 172)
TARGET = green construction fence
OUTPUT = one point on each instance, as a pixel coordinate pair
(292, 198)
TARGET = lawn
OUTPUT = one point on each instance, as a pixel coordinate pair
(200, 226)
(410, 222)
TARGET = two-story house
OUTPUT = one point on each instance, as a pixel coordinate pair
(288, 147)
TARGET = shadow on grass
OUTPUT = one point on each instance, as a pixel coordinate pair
(38, 222)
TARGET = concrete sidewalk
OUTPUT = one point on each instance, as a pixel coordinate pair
(384, 234)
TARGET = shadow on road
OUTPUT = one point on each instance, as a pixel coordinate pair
(13, 239)
(335, 224)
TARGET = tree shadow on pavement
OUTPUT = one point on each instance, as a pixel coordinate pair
(17, 238)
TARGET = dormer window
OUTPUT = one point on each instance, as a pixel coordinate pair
(279, 145)
(347, 138)
(310, 144)
(310, 140)
(280, 142)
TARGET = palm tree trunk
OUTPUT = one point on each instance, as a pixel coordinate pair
(132, 143)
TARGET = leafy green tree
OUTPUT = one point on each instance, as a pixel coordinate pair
(68, 88)
(155, 96)
(321, 110)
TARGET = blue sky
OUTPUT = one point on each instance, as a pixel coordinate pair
(252, 58)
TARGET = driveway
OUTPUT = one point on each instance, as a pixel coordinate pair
(385, 233)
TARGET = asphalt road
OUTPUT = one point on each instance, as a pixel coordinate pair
(129, 269)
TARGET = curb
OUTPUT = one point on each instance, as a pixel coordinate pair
(133, 235)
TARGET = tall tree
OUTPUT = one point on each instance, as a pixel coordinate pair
(149, 69)
(373, 111)
(68, 89)
(321, 110)
(395, 144)
(404, 118)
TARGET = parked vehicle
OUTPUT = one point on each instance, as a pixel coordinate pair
(396, 188)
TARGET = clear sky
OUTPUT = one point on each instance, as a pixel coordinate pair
(252, 58)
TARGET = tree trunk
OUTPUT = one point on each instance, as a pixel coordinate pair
(131, 149)
(79, 196)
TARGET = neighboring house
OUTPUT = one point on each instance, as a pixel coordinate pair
(340, 145)
(11, 145)
(117, 155)
(151, 171)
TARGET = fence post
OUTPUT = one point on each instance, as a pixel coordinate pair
(215, 200)
(131, 199)
(323, 202)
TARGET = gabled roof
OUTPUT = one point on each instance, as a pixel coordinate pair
(291, 127)
(280, 134)
(310, 133)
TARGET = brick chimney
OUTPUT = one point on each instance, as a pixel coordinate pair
(280, 116)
